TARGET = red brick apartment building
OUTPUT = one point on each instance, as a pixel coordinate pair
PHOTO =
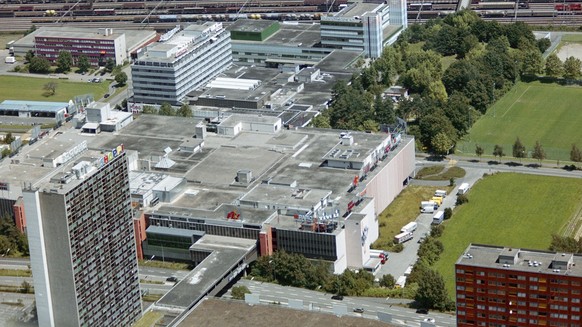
(508, 287)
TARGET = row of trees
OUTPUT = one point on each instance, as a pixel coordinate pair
(432, 292)
(64, 63)
(167, 110)
(570, 69)
(295, 270)
(12, 241)
(519, 151)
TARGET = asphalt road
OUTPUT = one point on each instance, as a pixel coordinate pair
(322, 302)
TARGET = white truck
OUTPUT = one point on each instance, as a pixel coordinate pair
(9, 60)
(410, 227)
(427, 209)
(438, 218)
(463, 189)
(402, 237)
(429, 203)
(441, 193)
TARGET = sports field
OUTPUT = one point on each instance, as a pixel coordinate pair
(548, 113)
(29, 88)
(515, 210)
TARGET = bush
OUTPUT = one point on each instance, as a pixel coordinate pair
(437, 231)
(461, 199)
(448, 213)
(387, 281)
(238, 292)
(452, 181)
(398, 248)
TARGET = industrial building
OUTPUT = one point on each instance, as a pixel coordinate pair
(182, 60)
(97, 44)
(501, 286)
(81, 241)
(98, 47)
(36, 111)
(364, 27)
(99, 117)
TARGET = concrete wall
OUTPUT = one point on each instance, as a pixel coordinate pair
(388, 182)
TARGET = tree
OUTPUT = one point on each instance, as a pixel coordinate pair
(64, 61)
(575, 154)
(532, 62)
(448, 213)
(83, 64)
(8, 138)
(39, 65)
(442, 143)
(109, 65)
(321, 121)
(479, 151)
(166, 110)
(538, 152)
(184, 111)
(519, 149)
(25, 287)
(50, 87)
(238, 292)
(6, 152)
(387, 281)
(384, 110)
(554, 66)
(28, 56)
(432, 292)
(543, 44)
(498, 151)
(461, 199)
(121, 78)
(572, 68)
(149, 110)
(433, 124)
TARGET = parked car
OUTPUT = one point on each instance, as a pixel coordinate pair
(106, 95)
(359, 310)
(172, 279)
(337, 297)
(422, 311)
(429, 320)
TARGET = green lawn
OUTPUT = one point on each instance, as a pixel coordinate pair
(404, 209)
(27, 88)
(515, 210)
(572, 37)
(533, 111)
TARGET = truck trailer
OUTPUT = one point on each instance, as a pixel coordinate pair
(463, 189)
(410, 227)
(402, 237)
(438, 217)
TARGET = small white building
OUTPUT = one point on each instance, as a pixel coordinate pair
(100, 117)
(235, 124)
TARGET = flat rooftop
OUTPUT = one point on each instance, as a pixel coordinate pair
(290, 35)
(38, 106)
(250, 25)
(358, 9)
(227, 252)
(133, 38)
(526, 260)
(233, 313)
(253, 216)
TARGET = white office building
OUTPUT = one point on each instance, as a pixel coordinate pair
(180, 62)
(364, 27)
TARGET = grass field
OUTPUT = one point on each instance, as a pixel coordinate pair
(27, 88)
(401, 211)
(572, 37)
(549, 113)
(515, 210)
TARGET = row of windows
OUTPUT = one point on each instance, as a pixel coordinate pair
(521, 277)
